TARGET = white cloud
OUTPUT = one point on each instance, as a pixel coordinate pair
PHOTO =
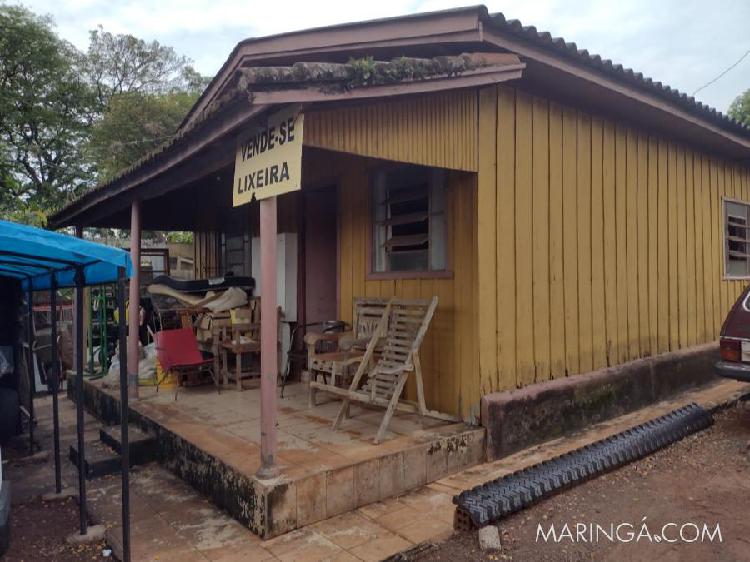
(683, 43)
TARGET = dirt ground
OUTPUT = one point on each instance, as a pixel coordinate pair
(38, 531)
(703, 479)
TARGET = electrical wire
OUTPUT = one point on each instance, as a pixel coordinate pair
(707, 84)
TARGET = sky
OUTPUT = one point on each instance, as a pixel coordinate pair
(682, 43)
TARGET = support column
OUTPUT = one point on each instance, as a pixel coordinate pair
(124, 412)
(78, 338)
(78, 232)
(269, 319)
(53, 380)
(31, 370)
(135, 299)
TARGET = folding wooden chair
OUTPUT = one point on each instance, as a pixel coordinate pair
(343, 351)
(404, 324)
(178, 352)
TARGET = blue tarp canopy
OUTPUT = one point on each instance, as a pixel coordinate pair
(33, 255)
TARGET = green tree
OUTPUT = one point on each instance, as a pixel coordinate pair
(143, 89)
(45, 111)
(740, 108)
(134, 124)
(69, 119)
(120, 64)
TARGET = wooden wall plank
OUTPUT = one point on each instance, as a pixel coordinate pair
(692, 306)
(623, 345)
(583, 176)
(682, 316)
(609, 201)
(700, 328)
(716, 242)
(708, 247)
(540, 238)
(506, 235)
(631, 239)
(663, 247)
(674, 320)
(642, 219)
(653, 241)
(524, 257)
(570, 239)
(599, 352)
(556, 196)
(487, 240)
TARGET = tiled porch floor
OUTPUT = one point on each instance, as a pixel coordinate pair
(323, 472)
(227, 425)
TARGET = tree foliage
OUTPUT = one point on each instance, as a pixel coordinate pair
(120, 64)
(740, 108)
(134, 124)
(45, 111)
(70, 119)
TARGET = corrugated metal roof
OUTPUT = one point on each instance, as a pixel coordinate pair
(570, 50)
(542, 39)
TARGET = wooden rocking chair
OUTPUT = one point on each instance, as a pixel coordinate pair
(403, 325)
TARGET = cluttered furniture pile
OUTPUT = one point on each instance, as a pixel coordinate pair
(208, 332)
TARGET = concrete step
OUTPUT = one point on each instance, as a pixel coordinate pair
(99, 459)
(142, 445)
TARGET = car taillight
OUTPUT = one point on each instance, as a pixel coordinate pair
(730, 350)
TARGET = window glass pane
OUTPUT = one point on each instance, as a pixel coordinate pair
(409, 220)
(379, 235)
(437, 242)
(736, 239)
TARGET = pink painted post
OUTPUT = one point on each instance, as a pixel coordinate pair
(135, 299)
(268, 335)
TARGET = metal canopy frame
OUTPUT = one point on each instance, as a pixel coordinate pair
(26, 266)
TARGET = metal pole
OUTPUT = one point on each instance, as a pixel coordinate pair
(268, 339)
(79, 401)
(134, 296)
(54, 380)
(32, 375)
(125, 446)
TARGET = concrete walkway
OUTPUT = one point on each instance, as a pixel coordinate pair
(172, 522)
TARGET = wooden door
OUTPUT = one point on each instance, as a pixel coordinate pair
(321, 254)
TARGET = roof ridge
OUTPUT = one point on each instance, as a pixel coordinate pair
(562, 47)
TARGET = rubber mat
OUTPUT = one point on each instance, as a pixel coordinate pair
(499, 498)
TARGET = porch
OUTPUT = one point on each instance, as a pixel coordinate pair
(212, 441)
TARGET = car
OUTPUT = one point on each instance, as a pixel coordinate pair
(734, 341)
(4, 511)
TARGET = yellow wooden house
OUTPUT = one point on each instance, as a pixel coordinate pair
(571, 213)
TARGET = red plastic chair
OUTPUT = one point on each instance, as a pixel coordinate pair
(177, 350)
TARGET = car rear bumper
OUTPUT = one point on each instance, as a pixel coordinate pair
(4, 517)
(733, 370)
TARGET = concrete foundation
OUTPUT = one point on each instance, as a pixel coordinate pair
(520, 418)
(306, 491)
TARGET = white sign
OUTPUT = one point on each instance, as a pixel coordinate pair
(269, 160)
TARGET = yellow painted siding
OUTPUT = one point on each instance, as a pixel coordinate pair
(608, 241)
(487, 239)
(434, 130)
(449, 353)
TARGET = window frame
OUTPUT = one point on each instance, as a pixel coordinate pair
(373, 275)
(724, 242)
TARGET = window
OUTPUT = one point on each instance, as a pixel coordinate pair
(409, 220)
(737, 239)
